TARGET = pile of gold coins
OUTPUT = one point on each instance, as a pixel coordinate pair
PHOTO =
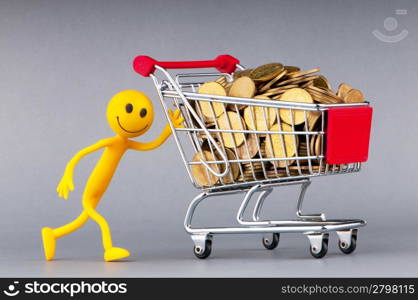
(273, 81)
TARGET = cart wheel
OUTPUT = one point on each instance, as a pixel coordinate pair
(353, 243)
(203, 253)
(324, 248)
(271, 242)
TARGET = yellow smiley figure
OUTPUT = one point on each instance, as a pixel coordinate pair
(129, 114)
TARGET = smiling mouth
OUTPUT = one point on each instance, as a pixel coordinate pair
(137, 131)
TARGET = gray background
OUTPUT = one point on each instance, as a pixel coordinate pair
(62, 60)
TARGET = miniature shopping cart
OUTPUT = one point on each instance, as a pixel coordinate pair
(342, 142)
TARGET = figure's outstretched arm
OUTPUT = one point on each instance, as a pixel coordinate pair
(138, 146)
(66, 184)
(176, 119)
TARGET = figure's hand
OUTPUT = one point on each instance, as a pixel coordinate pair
(176, 118)
(65, 186)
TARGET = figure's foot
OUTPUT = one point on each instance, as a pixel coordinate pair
(115, 253)
(49, 242)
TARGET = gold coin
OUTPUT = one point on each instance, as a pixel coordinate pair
(294, 95)
(316, 97)
(280, 89)
(249, 148)
(269, 84)
(203, 135)
(242, 87)
(343, 89)
(233, 173)
(354, 96)
(203, 176)
(291, 69)
(315, 169)
(232, 121)
(262, 151)
(280, 173)
(222, 81)
(312, 144)
(314, 118)
(252, 165)
(266, 72)
(239, 74)
(211, 110)
(318, 143)
(307, 84)
(297, 80)
(277, 92)
(276, 149)
(252, 169)
(302, 149)
(300, 74)
(326, 91)
(250, 177)
(322, 82)
(259, 117)
(323, 96)
(228, 86)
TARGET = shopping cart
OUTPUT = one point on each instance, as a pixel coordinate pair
(341, 145)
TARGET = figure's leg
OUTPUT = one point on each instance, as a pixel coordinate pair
(50, 235)
(111, 253)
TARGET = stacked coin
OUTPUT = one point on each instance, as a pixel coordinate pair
(273, 81)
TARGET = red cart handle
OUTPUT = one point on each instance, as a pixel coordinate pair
(145, 65)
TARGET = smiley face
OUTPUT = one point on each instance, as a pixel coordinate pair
(130, 113)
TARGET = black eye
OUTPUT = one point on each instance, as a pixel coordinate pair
(143, 112)
(129, 108)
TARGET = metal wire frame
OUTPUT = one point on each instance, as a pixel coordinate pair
(184, 97)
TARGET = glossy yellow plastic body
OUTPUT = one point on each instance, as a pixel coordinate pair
(129, 114)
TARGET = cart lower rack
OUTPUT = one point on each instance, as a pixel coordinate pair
(315, 140)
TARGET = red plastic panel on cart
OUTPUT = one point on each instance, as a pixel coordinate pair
(348, 135)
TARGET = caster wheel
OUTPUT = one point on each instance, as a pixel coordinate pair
(203, 253)
(271, 242)
(348, 249)
(324, 248)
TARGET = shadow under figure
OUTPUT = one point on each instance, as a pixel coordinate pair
(129, 114)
